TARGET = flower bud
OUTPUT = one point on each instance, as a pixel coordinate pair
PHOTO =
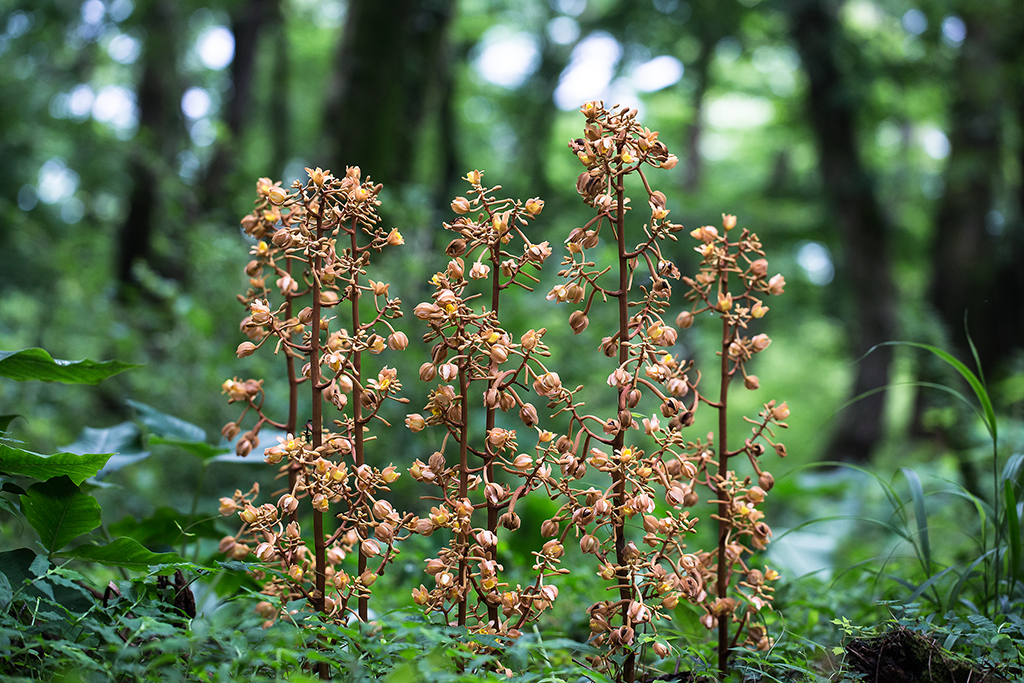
(766, 481)
(369, 548)
(528, 414)
(751, 382)
(684, 319)
(415, 422)
(230, 431)
(398, 341)
(589, 543)
(461, 206)
(578, 321)
(226, 545)
(245, 349)
(277, 194)
(288, 503)
(244, 446)
(549, 528)
(510, 521)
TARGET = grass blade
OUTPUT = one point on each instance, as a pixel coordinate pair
(927, 584)
(920, 517)
(965, 372)
(1013, 528)
(954, 595)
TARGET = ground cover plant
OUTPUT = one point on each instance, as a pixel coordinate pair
(609, 491)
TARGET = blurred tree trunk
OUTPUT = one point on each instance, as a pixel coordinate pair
(702, 68)
(388, 63)
(247, 23)
(451, 163)
(854, 209)
(964, 279)
(539, 113)
(157, 141)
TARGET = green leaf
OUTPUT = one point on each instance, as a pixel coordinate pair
(120, 437)
(23, 565)
(122, 440)
(168, 426)
(1013, 528)
(5, 422)
(17, 566)
(124, 552)
(920, 517)
(37, 364)
(6, 593)
(977, 385)
(8, 505)
(59, 512)
(200, 449)
(77, 467)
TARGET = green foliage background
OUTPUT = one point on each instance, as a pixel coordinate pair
(937, 93)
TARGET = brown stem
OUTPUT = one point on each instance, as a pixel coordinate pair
(492, 511)
(357, 402)
(317, 420)
(463, 485)
(625, 587)
(722, 582)
(293, 404)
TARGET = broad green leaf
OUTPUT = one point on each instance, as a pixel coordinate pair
(6, 504)
(5, 422)
(59, 512)
(168, 426)
(123, 552)
(116, 439)
(40, 566)
(37, 364)
(200, 449)
(122, 440)
(18, 566)
(23, 565)
(6, 594)
(77, 467)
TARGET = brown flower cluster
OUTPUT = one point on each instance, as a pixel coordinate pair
(626, 480)
(475, 358)
(313, 246)
(652, 571)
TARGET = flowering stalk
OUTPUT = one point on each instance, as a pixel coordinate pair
(652, 580)
(324, 466)
(472, 348)
(737, 515)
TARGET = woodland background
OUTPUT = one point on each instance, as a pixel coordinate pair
(876, 147)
